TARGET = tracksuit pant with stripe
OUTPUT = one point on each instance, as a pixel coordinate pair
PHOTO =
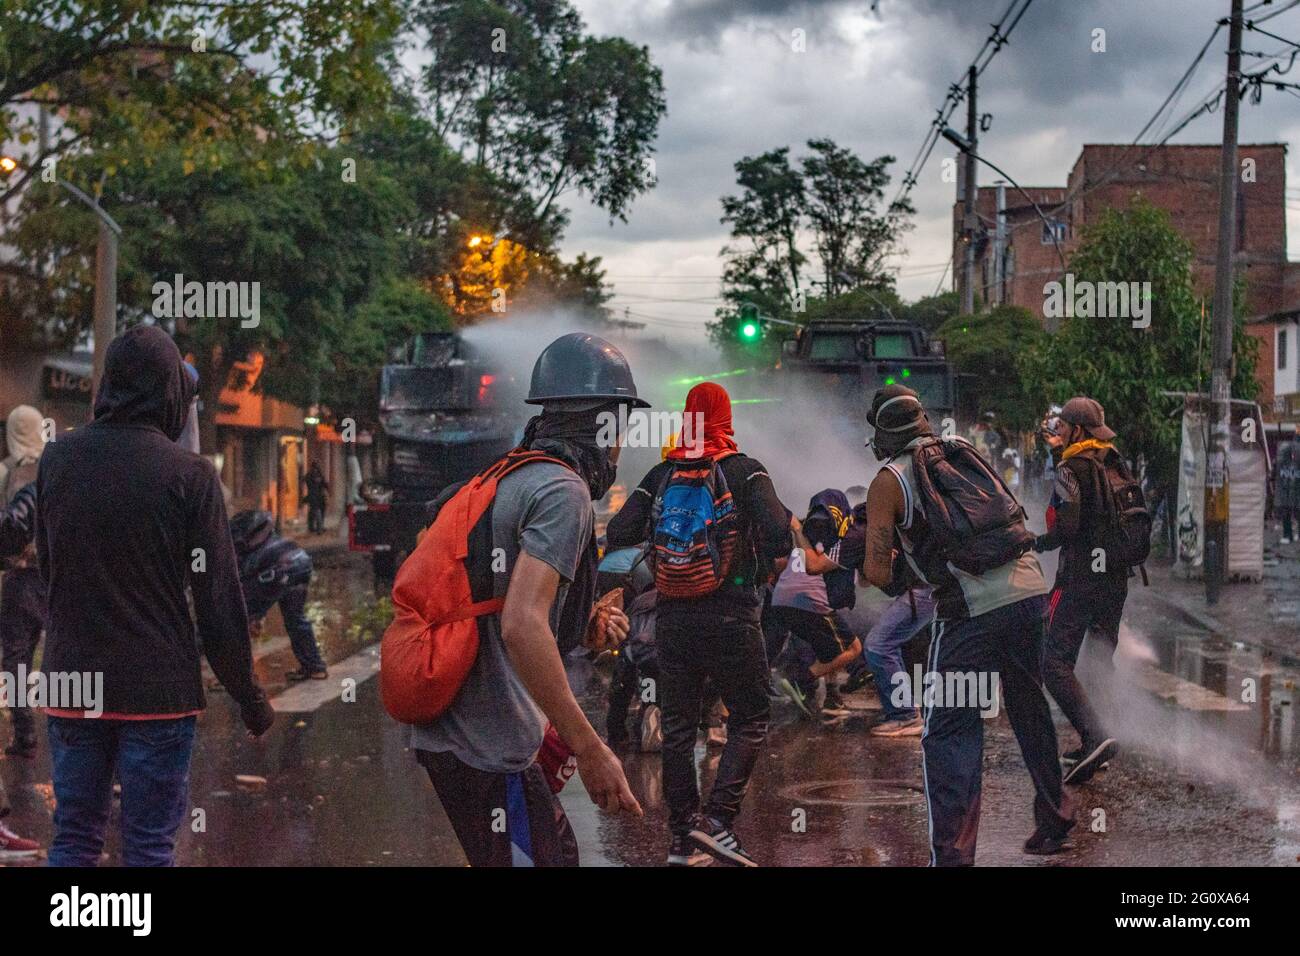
(1090, 608)
(1007, 641)
(502, 819)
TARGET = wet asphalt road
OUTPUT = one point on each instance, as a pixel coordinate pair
(1203, 779)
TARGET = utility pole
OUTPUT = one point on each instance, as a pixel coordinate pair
(105, 322)
(1216, 452)
(969, 220)
(1000, 248)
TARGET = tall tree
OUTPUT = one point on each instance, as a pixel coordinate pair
(129, 77)
(526, 93)
(853, 236)
(766, 264)
(831, 200)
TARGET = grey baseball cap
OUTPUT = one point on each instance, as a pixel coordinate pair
(1087, 413)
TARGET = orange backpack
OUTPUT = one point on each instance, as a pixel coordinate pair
(428, 649)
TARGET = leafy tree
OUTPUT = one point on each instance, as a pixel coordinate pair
(982, 347)
(932, 311)
(851, 235)
(766, 217)
(546, 108)
(831, 200)
(1127, 369)
(132, 77)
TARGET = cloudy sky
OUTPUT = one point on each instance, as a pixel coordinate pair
(872, 81)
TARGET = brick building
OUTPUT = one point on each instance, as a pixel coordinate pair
(1184, 181)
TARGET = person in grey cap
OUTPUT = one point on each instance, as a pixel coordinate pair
(489, 754)
(1089, 594)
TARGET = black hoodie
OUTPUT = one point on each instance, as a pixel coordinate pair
(127, 520)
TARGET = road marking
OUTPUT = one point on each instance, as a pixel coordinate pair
(309, 695)
(1185, 693)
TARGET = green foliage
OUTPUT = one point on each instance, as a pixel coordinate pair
(982, 347)
(932, 311)
(1127, 369)
(128, 78)
(832, 198)
(228, 165)
(545, 107)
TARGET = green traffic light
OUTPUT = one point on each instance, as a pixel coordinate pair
(749, 331)
(907, 373)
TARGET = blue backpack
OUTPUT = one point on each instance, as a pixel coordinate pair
(696, 531)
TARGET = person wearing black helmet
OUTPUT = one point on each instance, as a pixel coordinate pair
(275, 570)
(482, 752)
(985, 623)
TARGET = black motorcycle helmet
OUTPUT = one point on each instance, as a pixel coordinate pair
(582, 368)
(250, 530)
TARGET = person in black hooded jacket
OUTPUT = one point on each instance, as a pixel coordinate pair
(127, 521)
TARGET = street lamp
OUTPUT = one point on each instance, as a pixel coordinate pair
(963, 144)
(105, 323)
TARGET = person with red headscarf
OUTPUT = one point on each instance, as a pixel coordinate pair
(714, 636)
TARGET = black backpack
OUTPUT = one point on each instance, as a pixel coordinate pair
(975, 522)
(1123, 530)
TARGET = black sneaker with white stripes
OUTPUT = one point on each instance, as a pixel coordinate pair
(721, 842)
(683, 851)
(1095, 755)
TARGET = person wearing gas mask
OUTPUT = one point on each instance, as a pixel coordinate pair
(988, 621)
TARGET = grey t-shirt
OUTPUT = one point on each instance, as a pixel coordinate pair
(493, 725)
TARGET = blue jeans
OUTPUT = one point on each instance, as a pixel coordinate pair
(151, 759)
(883, 649)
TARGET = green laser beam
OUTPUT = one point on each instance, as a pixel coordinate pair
(708, 378)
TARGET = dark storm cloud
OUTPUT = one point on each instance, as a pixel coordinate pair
(702, 22)
(872, 81)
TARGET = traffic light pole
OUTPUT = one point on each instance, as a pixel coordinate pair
(1216, 452)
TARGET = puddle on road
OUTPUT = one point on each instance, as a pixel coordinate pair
(856, 792)
(1257, 692)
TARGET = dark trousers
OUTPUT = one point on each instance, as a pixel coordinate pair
(502, 819)
(1075, 611)
(729, 653)
(1008, 642)
(1287, 515)
(22, 618)
(151, 759)
(315, 516)
(302, 636)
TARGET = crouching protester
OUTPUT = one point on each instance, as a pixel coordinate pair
(126, 521)
(275, 570)
(963, 534)
(813, 587)
(715, 525)
(500, 587)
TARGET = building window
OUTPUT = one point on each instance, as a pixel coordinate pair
(1054, 231)
(1281, 349)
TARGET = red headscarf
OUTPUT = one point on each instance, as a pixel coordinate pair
(711, 401)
